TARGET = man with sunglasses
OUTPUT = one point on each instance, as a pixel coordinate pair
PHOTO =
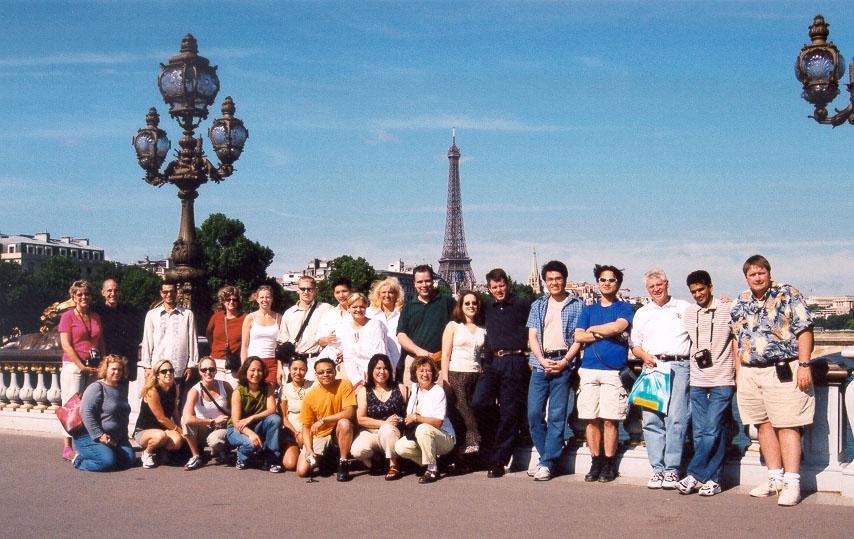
(602, 400)
(327, 414)
(551, 327)
(307, 346)
(169, 333)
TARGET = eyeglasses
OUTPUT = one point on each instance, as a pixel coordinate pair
(607, 280)
(306, 289)
(166, 292)
(82, 295)
(206, 369)
(325, 372)
(166, 371)
(231, 300)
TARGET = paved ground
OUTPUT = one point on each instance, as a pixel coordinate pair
(43, 496)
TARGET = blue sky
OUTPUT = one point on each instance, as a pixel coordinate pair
(642, 134)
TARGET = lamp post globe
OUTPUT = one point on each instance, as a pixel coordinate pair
(819, 67)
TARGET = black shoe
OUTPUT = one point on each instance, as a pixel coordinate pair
(595, 469)
(343, 473)
(609, 472)
(495, 471)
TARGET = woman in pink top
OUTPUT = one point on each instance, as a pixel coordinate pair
(79, 334)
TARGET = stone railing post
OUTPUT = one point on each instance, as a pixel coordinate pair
(40, 392)
(54, 395)
(12, 390)
(26, 392)
(3, 401)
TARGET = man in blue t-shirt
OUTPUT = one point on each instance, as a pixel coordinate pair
(602, 400)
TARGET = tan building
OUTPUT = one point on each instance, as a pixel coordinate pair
(31, 252)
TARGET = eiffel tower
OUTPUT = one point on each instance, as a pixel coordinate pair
(455, 264)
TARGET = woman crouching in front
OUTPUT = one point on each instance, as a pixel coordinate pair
(433, 435)
(254, 428)
(206, 414)
(157, 426)
(105, 411)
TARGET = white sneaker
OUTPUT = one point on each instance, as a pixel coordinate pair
(790, 495)
(542, 474)
(147, 460)
(195, 462)
(655, 480)
(710, 488)
(688, 485)
(768, 488)
(533, 471)
(671, 479)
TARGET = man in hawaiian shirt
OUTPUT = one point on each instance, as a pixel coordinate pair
(773, 342)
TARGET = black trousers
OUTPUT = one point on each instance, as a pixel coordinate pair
(504, 383)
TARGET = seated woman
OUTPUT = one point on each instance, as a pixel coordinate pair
(293, 393)
(157, 423)
(254, 427)
(359, 339)
(380, 407)
(206, 414)
(427, 412)
(105, 412)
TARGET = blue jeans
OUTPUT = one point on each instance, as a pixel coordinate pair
(268, 430)
(548, 435)
(97, 457)
(665, 434)
(708, 408)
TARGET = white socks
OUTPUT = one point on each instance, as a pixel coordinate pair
(776, 475)
(792, 479)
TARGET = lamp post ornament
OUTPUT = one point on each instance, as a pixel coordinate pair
(820, 67)
(189, 85)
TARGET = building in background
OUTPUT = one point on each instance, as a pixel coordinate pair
(824, 306)
(158, 267)
(455, 263)
(31, 252)
(534, 279)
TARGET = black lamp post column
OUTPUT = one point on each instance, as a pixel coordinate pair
(189, 85)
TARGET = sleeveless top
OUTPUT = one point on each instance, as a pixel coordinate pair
(146, 419)
(380, 410)
(207, 409)
(293, 396)
(262, 339)
(466, 348)
(251, 405)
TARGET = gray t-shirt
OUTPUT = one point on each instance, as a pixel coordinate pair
(105, 408)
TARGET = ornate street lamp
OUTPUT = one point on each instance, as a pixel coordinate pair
(820, 67)
(189, 85)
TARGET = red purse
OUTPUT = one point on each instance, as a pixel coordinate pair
(69, 416)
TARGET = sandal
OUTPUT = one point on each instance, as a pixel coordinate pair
(67, 453)
(393, 473)
(428, 477)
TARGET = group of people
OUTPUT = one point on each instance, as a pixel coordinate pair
(381, 381)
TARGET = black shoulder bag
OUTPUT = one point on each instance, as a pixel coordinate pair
(232, 359)
(285, 351)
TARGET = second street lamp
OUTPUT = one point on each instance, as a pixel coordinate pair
(820, 67)
(189, 85)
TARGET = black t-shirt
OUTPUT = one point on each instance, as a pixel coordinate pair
(506, 324)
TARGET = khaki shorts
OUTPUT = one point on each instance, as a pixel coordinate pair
(321, 444)
(763, 398)
(601, 395)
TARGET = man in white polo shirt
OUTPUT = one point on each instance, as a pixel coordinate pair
(658, 335)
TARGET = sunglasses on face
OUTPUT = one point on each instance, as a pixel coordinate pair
(607, 280)
(166, 371)
(325, 372)
(82, 295)
(304, 289)
(206, 369)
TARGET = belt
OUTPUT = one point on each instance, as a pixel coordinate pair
(766, 365)
(555, 353)
(306, 356)
(502, 353)
(672, 358)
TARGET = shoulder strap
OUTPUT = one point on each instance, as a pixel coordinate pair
(305, 323)
(225, 322)
(218, 407)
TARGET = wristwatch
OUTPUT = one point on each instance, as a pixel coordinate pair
(803, 364)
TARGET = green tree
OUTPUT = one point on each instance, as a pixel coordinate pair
(360, 272)
(231, 258)
(522, 290)
(836, 321)
(17, 309)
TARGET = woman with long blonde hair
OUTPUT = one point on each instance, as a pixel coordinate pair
(158, 423)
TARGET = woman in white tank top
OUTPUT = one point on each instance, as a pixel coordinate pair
(260, 329)
(206, 415)
(461, 344)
